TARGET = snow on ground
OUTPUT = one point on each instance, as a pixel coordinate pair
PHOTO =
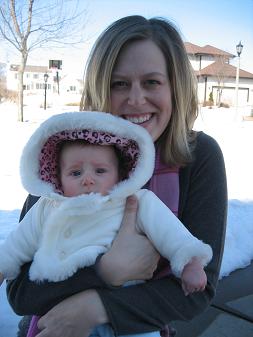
(234, 136)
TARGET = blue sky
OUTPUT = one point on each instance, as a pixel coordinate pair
(221, 23)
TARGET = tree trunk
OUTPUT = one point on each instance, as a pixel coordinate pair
(20, 97)
(21, 87)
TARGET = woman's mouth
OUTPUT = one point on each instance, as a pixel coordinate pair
(138, 119)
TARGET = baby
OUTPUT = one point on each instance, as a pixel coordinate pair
(92, 168)
(84, 165)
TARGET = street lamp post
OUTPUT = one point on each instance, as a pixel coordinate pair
(239, 48)
(45, 92)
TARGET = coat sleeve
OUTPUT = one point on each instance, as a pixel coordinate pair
(20, 245)
(30, 298)
(169, 236)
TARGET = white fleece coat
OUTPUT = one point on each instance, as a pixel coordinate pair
(63, 234)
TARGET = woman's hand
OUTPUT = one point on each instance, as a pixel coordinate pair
(132, 256)
(74, 317)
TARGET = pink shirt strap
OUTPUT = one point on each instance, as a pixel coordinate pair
(165, 184)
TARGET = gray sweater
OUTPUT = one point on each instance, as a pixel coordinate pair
(151, 305)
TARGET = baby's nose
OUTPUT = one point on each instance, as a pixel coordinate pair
(88, 179)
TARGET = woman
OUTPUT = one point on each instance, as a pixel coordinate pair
(139, 70)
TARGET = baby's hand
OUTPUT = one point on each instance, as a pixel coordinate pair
(1, 278)
(193, 277)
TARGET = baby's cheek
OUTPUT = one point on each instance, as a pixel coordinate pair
(70, 190)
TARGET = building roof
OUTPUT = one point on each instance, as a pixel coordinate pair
(223, 69)
(206, 50)
(192, 48)
(28, 68)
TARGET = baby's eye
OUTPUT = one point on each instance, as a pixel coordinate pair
(100, 170)
(76, 173)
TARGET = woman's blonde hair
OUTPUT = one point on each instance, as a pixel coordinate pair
(177, 138)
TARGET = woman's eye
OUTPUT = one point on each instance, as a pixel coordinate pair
(119, 84)
(100, 170)
(76, 173)
(152, 82)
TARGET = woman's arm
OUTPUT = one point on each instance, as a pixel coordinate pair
(27, 297)
(203, 203)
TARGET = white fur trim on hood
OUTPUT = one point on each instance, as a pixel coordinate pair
(93, 120)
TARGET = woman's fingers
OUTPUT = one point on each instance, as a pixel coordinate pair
(130, 214)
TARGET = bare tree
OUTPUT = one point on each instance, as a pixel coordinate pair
(221, 75)
(2, 81)
(31, 24)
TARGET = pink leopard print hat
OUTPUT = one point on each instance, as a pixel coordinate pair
(50, 151)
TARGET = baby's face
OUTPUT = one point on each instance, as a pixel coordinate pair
(88, 168)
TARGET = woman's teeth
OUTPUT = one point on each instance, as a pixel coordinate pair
(138, 120)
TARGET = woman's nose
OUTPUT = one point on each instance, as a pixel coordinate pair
(136, 96)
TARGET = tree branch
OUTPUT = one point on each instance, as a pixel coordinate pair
(14, 19)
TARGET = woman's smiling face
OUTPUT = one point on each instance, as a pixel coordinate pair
(140, 88)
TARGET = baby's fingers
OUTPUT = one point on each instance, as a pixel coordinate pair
(185, 289)
(189, 289)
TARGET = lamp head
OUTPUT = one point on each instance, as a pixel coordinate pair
(239, 48)
(46, 77)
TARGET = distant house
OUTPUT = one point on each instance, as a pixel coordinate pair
(33, 78)
(34, 82)
(70, 84)
(217, 76)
